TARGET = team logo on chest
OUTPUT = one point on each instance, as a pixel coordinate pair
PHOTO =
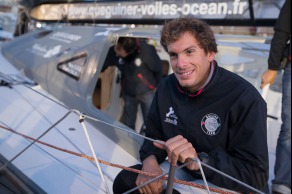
(211, 124)
(171, 117)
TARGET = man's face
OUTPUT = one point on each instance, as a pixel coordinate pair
(189, 62)
(120, 51)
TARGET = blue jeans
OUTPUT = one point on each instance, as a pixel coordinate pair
(131, 107)
(282, 170)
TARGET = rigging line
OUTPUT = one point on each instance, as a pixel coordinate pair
(202, 173)
(17, 155)
(172, 169)
(90, 182)
(91, 118)
(36, 140)
(171, 178)
(75, 111)
(9, 77)
(24, 84)
(116, 165)
(230, 177)
(157, 141)
(93, 153)
(160, 142)
(23, 79)
(150, 139)
(156, 178)
(123, 129)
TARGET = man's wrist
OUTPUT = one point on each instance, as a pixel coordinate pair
(204, 157)
(150, 159)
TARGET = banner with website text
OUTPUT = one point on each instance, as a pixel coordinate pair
(158, 10)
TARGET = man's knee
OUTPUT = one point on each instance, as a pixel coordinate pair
(125, 180)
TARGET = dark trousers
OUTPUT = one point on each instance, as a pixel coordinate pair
(131, 107)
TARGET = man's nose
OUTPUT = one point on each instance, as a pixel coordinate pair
(181, 61)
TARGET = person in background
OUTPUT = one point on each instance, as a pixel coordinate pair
(279, 59)
(141, 70)
(201, 111)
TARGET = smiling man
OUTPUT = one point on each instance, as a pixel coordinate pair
(202, 111)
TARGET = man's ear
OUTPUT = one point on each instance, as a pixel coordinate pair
(211, 56)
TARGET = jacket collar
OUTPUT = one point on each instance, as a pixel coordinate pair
(201, 89)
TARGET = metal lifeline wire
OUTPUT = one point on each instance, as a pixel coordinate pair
(29, 139)
(160, 176)
(10, 81)
(117, 127)
(73, 110)
(113, 165)
(44, 133)
(158, 141)
(50, 128)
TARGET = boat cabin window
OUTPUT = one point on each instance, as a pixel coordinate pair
(73, 66)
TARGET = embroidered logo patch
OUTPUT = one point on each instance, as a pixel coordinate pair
(211, 124)
(171, 117)
(138, 62)
(121, 61)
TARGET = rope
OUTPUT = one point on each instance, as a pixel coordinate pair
(160, 142)
(137, 134)
(93, 153)
(34, 140)
(117, 165)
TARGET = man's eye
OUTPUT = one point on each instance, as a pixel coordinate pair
(189, 52)
(172, 55)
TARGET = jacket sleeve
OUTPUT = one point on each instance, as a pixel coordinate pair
(153, 62)
(248, 132)
(282, 33)
(110, 60)
(153, 131)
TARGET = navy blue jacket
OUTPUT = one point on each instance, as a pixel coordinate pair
(279, 47)
(227, 121)
(141, 70)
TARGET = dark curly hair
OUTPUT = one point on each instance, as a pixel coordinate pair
(174, 29)
(129, 44)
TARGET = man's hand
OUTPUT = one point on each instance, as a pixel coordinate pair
(179, 149)
(268, 77)
(151, 166)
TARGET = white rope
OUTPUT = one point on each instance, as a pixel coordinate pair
(44, 133)
(156, 178)
(160, 142)
(93, 153)
(231, 178)
(147, 138)
(203, 175)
